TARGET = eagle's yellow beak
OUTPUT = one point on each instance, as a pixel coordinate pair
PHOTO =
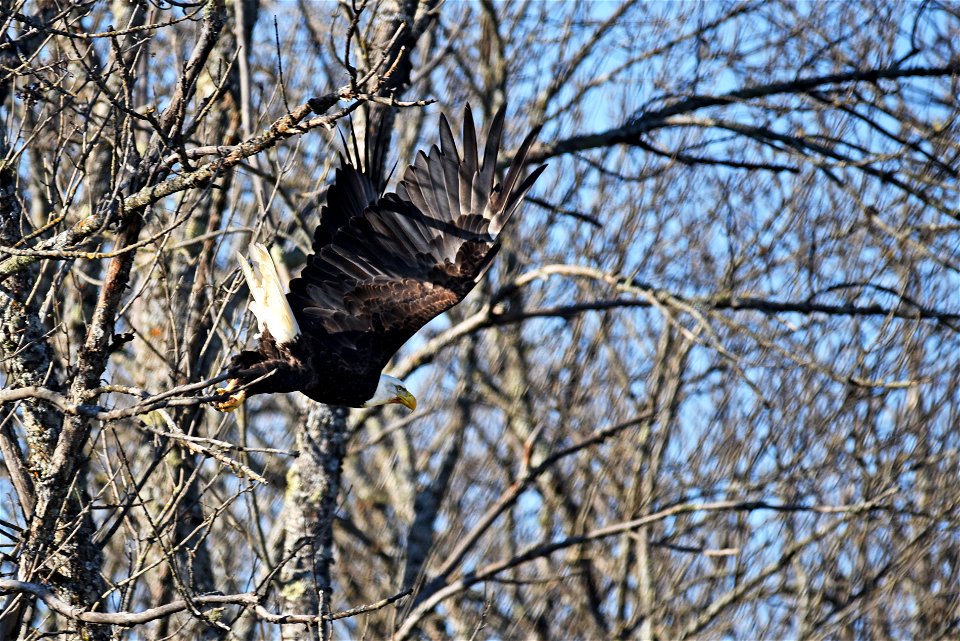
(407, 399)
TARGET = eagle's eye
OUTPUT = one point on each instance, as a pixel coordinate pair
(405, 398)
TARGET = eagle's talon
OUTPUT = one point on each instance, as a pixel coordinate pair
(232, 402)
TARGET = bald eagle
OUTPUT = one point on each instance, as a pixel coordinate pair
(383, 266)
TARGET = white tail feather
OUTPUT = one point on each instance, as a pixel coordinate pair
(269, 303)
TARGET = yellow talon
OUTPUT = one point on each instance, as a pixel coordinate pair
(233, 400)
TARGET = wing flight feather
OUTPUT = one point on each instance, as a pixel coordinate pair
(386, 265)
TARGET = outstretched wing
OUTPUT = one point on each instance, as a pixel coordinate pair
(386, 266)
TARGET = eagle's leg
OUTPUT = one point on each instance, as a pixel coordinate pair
(233, 400)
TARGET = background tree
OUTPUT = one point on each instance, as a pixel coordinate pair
(709, 387)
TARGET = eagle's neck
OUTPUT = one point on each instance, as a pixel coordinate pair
(386, 391)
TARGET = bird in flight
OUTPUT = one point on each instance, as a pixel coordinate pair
(383, 265)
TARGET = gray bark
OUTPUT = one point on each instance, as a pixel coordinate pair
(313, 486)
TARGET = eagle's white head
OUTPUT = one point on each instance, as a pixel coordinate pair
(391, 390)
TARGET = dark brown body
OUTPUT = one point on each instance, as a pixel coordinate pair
(286, 368)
